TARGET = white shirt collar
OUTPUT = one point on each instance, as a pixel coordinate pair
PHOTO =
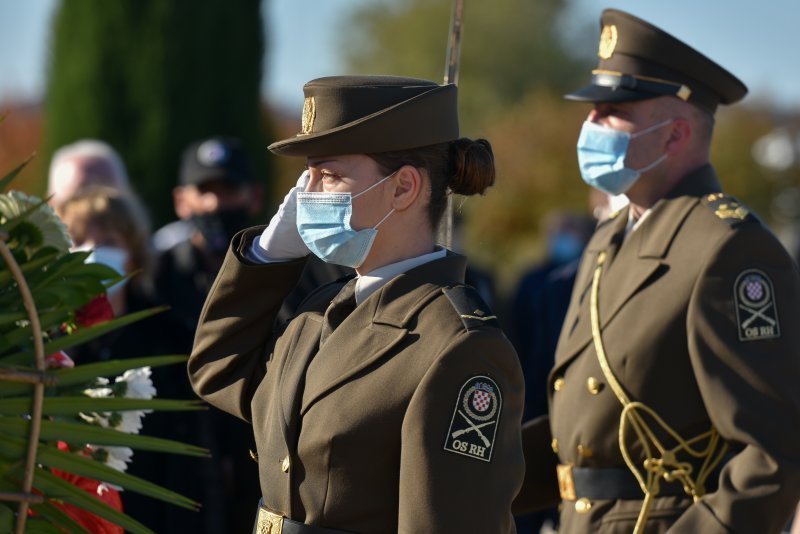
(634, 223)
(369, 283)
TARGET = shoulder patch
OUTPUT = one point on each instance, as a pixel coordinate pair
(475, 418)
(756, 310)
(727, 208)
(469, 305)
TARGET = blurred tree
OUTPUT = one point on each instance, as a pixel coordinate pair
(508, 48)
(149, 77)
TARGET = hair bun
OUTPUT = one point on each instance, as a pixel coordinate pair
(472, 166)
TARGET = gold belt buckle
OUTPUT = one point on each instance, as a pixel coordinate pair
(566, 484)
(268, 522)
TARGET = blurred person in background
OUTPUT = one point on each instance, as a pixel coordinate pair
(112, 225)
(216, 197)
(538, 309)
(83, 163)
(535, 326)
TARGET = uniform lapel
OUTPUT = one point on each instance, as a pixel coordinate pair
(376, 326)
(628, 267)
(576, 332)
(303, 348)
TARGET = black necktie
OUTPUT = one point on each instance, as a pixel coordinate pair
(341, 306)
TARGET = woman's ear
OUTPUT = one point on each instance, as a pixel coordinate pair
(408, 181)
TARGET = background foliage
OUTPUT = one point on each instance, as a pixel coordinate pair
(149, 77)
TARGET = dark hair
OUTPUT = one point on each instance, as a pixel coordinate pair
(464, 166)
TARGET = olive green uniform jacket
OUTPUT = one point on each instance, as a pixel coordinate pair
(353, 435)
(699, 313)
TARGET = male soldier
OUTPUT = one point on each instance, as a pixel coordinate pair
(673, 401)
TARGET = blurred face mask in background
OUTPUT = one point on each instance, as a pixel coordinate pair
(218, 228)
(113, 257)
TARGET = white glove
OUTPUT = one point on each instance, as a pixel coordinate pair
(281, 241)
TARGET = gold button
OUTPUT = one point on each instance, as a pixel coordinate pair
(285, 465)
(554, 445)
(584, 451)
(558, 384)
(593, 385)
(583, 505)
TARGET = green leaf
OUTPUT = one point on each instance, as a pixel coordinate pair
(81, 336)
(36, 525)
(85, 374)
(80, 432)
(53, 515)
(8, 178)
(54, 487)
(6, 318)
(77, 464)
(73, 405)
(37, 262)
(7, 518)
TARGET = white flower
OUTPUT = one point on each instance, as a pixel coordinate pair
(99, 392)
(53, 231)
(116, 457)
(131, 421)
(138, 384)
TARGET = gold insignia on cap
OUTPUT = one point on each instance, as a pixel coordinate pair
(309, 113)
(684, 93)
(608, 41)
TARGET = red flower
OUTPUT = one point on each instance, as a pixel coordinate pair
(98, 310)
(89, 521)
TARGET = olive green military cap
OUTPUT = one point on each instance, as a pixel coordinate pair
(640, 61)
(372, 114)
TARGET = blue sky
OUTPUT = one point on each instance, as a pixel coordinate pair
(757, 41)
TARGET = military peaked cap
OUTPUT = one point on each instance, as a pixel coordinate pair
(371, 114)
(640, 61)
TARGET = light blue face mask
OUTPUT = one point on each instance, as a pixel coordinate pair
(323, 220)
(601, 157)
(113, 257)
(565, 247)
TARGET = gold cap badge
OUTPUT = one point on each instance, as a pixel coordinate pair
(608, 41)
(309, 112)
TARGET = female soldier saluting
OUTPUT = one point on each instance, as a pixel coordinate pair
(390, 402)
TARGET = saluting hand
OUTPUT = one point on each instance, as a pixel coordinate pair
(281, 240)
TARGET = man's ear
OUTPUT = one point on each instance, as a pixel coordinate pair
(408, 182)
(679, 136)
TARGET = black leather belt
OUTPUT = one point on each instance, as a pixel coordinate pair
(614, 483)
(268, 522)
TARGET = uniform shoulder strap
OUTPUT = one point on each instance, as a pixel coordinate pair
(727, 208)
(469, 305)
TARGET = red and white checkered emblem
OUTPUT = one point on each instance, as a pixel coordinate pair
(755, 290)
(481, 401)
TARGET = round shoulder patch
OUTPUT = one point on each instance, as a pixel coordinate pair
(475, 419)
(756, 310)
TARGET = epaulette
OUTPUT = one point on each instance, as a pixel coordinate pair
(470, 307)
(727, 208)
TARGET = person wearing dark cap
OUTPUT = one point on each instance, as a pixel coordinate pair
(673, 399)
(392, 401)
(216, 196)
